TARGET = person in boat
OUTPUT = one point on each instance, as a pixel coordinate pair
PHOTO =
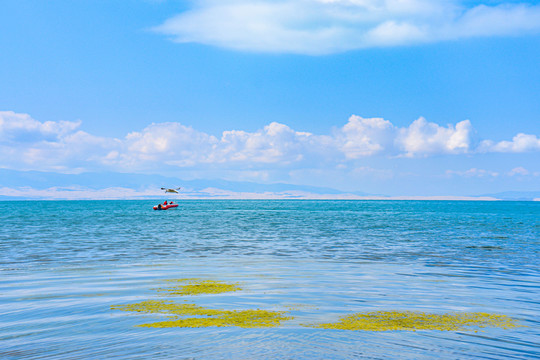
(171, 203)
(165, 202)
(159, 206)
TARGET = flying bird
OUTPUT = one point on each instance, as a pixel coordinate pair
(171, 190)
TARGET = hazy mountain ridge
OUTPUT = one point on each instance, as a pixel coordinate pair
(145, 184)
(22, 185)
(516, 195)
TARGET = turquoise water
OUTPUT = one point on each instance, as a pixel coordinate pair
(64, 263)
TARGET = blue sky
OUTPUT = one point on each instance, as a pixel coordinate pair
(398, 97)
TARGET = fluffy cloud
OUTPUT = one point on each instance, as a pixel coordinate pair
(520, 143)
(364, 137)
(169, 143)
(329, 26)
(275, 143)
(423, 138)
(27, 144)
(22, 128)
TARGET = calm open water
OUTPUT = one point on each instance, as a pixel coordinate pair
(64, 263)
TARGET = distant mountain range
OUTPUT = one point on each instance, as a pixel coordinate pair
(47, 185)
(516, 195)
(147, 186)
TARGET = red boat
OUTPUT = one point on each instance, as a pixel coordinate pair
(165, 207)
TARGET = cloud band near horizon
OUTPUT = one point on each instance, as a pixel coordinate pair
(316, 27)
(28, 144)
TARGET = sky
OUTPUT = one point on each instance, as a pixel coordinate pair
(396, 97)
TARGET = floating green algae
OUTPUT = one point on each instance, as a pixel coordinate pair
(240, 318)
(411, 321)
(199, 287)
(159, 306)
(206, 317)
(191, 315)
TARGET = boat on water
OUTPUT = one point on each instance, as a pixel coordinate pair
(165, 207)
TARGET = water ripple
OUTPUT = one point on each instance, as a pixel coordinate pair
(64, 264)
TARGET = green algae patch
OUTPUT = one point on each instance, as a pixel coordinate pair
(225, 318)
(205, 317)
(164, 307)
(411, 321)
(199, 287)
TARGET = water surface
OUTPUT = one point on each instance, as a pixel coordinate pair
(64, 263)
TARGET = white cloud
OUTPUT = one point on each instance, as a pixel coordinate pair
(505, 19)
(28, 144)
(522, 172)
(329, 26)
(362, 137)
(474, 172)
(519, 171)
(166, 143)
(22, 128)
(425, 138)
(520, 143)
(272, 144)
